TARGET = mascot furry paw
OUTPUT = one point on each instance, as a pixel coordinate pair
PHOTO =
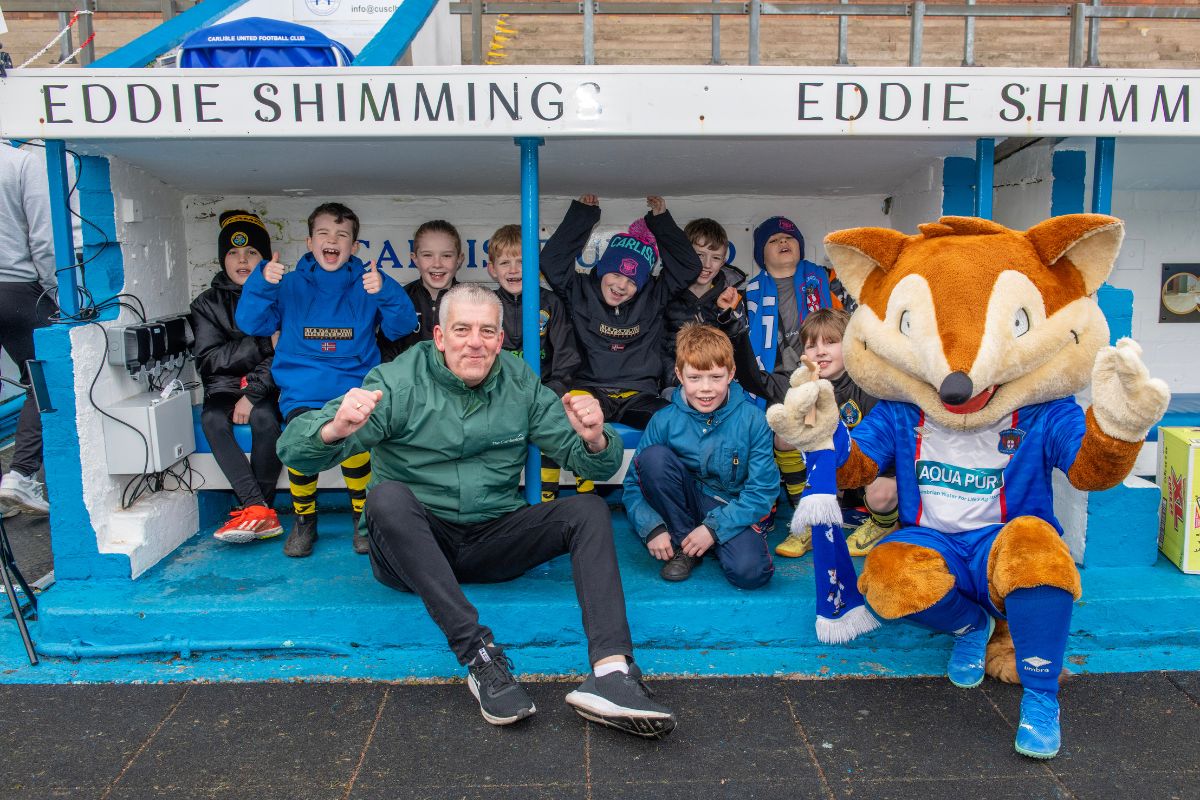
(976, 338)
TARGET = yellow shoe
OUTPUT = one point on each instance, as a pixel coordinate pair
(795, 545)
(866, 536)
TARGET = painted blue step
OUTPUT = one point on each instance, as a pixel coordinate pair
(248, 613)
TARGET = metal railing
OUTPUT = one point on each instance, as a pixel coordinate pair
(65, 8)
(1083, 43)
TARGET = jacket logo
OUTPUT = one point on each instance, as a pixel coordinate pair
(520, 437)
(329, 333)
(620, 333)
(851, 413)
(328, 347)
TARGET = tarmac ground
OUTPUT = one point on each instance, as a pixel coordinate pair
(1125, 736)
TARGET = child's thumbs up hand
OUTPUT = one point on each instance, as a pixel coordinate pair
(372, 280)
(274, 270)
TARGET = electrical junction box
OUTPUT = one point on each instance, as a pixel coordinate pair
(165, 428)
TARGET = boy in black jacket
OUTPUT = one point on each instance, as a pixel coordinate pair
(238, 389)
(698, 302)
(559, 353)
(617, 309)
(438, 253)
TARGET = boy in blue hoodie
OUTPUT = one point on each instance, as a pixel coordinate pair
(326, 311)
(704, 477)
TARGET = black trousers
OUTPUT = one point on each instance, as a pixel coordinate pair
(253, 482)
(629, 408)
(20, 315)
(412, 550)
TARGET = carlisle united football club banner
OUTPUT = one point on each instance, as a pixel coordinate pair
(612, 101)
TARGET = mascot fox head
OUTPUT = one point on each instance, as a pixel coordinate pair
(970, 320)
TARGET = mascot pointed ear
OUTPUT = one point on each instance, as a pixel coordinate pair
(1089, 241)
(857, 252)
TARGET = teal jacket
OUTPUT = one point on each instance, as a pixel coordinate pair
(730, 452)
(460, 450)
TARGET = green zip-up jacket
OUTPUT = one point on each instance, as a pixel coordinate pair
(460, 450)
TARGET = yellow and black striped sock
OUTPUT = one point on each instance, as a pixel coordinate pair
(582, 485)
(304, 492)
(795, 475)
(356, 472)
(550, 478)
(884, 519)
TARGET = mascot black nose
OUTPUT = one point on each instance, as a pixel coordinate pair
(956, 389)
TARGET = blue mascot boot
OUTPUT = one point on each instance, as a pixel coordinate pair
(1038, 735)
(967, 658)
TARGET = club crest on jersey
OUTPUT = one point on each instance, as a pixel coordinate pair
(851, 413)
(1010, 440)
(543, 321)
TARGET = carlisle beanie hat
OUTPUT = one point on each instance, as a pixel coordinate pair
(630, 254)
(242, 229)
(768, 229)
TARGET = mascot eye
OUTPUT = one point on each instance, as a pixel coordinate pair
(906, 324)
(1020, 323)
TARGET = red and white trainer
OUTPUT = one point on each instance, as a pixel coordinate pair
(248, 524)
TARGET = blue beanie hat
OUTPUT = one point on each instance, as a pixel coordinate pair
(630, 254)
(768, 229)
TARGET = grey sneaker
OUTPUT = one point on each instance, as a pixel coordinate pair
(620, 700)
(361, 545)
(679, 568)
(23, 494)
(299, 542)
(502, 700)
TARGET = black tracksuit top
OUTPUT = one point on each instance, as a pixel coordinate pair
(621, 348)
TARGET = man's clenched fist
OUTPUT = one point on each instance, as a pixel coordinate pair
(352, 414)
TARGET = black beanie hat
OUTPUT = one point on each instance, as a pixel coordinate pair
(242, 229)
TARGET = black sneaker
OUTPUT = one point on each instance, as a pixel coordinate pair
(680, 567)
(299, 542)
(361, 545)
(620, 700)
(501, 699)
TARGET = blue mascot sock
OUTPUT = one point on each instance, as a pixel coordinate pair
(971, 626)
(1040, 621)
(952, 614)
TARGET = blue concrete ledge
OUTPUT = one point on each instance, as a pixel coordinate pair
(217, 612)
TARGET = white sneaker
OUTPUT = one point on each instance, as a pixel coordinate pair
(23, 494)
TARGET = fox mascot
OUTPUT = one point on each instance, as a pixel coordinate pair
(975, 338)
